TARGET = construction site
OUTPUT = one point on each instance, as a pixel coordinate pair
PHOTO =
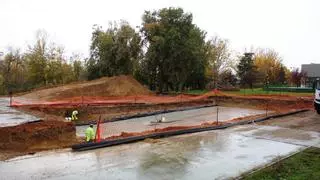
(144, 135)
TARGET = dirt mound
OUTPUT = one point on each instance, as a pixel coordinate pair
(37, 136)
(106, 86)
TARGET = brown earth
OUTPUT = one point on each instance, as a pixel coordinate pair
(274, 103)
(309, 121)
(37, 136)
(106, 86)
(89, 112)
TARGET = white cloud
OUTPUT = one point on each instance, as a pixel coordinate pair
(291, 27)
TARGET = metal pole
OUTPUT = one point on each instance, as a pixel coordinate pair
(217, 115)
(10, 94)
(266, 107)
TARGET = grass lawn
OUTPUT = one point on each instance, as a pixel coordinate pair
(304, 165)
(260, 91)
(197, 91)
(249, 92)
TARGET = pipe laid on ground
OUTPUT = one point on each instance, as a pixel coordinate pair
(106, 143)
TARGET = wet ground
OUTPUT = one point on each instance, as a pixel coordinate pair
(210, 155)
(309, 121)
(10, 116)
(181, 118)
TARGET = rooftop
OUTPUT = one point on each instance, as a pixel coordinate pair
(312, 70)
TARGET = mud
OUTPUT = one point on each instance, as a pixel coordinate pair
(268, 103)
(37, 136)
(309, 121)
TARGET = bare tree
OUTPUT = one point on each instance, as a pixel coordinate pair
(219, 57)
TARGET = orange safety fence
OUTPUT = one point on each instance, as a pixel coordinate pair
(118, 100)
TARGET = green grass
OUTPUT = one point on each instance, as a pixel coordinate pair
(260, 91)
(197, 91)
(304, 165)
(248, 92)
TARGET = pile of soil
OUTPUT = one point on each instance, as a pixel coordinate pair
(106, 86)
(279, 105)
(36, 136)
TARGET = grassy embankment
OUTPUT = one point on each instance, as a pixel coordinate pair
(303, 165)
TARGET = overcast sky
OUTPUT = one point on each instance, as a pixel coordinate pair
(291, 27)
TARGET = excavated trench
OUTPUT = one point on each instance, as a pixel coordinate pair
(89, 113)
(56, 134)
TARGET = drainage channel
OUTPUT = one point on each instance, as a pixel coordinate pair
(106, 143)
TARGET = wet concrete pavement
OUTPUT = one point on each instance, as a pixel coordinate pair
(210, 155)
(287, 135)
(182, 118)
(10, 116)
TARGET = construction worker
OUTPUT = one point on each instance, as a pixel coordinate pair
(74, 115)
(90, 134)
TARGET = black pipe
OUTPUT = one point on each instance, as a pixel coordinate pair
(106, 143)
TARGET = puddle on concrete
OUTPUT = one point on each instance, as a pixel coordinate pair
(182, 118)
(10, 116)
(206, 155)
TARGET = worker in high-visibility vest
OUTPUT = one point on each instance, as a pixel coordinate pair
(90, 135)
(74, 115)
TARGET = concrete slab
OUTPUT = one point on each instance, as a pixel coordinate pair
(208, 155)
(10, 117)
(287, 135)
(182, 118)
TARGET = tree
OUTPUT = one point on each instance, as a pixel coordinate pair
(176, 56)
(37, 62)
(246, 70)
(296, 76)
(13, 70)
(114, 51)
(54, 65)
(269, 65)
(79, 68)
(227, 78)
(282, 75)
(218, 57)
